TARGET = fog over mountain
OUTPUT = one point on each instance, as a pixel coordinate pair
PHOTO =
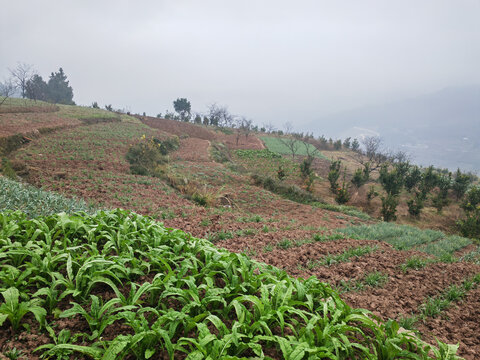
(441, 128)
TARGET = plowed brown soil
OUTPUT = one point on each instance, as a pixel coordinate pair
(182, 129)
(459, 324)
(192, 149)
(19, 123)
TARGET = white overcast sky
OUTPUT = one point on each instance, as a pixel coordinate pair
(270, 60)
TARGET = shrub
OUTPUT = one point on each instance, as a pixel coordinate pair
(281, 173)
(413, 178)
(429, 181)
(167, 145)
(472, 200)
(470, 225)
(337, 145)
(309, 182)
(333, 175)
(444, 184)
(460, 184)
(415, 205)
(342, 195)
(392, 181)
(306, 167)
(389, 207)
(355, 145)
(149, 156)
(361, 176)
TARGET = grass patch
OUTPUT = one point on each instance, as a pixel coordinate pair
(415, 263)
(328, 237)
(405, 237)
(275, 144)
(374, 279)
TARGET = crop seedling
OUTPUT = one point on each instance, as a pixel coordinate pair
(14, 311)
(13, 354)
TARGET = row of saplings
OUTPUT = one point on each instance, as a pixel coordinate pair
(439, 188)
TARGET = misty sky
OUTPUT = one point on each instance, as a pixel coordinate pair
(272, 61)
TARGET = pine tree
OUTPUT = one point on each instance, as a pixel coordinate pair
(59, 91)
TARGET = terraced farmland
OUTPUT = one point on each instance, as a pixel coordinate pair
(413, 276)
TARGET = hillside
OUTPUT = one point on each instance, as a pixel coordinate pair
(420, 278)
(435, 128)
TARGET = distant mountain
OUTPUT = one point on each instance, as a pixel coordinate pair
(442, 128)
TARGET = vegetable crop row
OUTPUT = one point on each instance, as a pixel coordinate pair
(169, 294)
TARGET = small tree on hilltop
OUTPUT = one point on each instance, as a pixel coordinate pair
(59, 91)
(337, 145)
(36, 89)
(183, 107)
(355, 145)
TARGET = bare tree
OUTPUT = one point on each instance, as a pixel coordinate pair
(290, 140)
(372, 146)
(220, 116)
(401, 157)
(246, 125)
(7, 89)
(269, 127)
(243, 127)
(21, 74)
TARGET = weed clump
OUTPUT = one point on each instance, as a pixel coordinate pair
(7, 169)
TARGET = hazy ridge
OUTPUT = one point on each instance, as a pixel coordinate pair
(440, 128)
